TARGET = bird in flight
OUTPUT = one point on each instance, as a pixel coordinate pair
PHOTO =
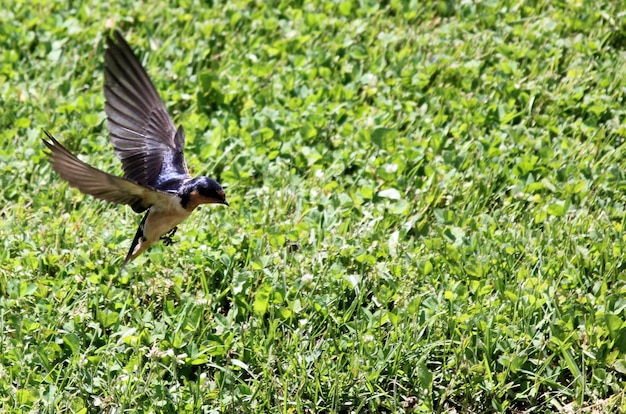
(156, 179)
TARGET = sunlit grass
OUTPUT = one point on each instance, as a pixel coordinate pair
(427, 211)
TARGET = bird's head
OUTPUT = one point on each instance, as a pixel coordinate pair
(203, 190)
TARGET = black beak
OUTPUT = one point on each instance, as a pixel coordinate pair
(225, 203)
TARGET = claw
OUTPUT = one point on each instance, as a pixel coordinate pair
(167, 237)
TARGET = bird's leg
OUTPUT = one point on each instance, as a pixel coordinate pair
(167, 237)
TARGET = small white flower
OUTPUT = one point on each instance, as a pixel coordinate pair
(154, 353)
(201, 301)
(391, 168)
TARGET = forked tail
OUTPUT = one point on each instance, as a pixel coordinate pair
(135, 247)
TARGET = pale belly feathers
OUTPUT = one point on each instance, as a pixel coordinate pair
(162, 218)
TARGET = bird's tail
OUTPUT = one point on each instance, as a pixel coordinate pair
(136, 247)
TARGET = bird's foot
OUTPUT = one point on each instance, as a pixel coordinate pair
(167, 237)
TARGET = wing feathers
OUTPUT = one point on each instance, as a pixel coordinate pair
(99, 184)
(142, 132)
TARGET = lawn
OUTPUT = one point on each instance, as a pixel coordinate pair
(427, 210)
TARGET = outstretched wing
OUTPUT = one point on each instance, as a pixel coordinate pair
(142, 132)
(99, 184)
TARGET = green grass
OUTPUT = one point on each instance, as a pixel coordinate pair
(427, 210)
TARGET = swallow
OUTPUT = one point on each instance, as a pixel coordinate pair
(156, 179)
